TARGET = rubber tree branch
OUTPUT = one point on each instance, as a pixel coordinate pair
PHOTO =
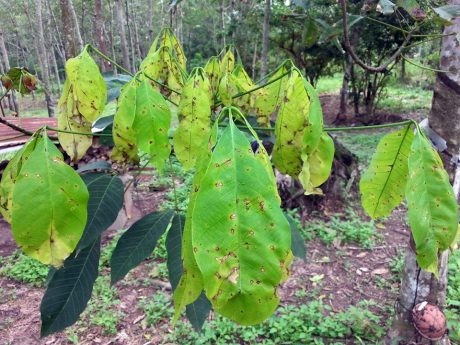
(16, 128)
(347, 45)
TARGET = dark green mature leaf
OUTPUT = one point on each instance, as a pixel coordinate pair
(102, 123)
(105, 201)
(69, 290)
(297, 242)
(174, 249)
(114, 84)
(432, 205)
(382, 184)
(138, 242)
(198, 311)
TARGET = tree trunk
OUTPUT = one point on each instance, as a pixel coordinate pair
(43, 59)
(99, 38)
(73, 43)
(444, 119)
(265, 38)
(123, 38)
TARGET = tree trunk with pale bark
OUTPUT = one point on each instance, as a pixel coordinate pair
(444, 118)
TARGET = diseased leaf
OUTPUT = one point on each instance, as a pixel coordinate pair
(105, 201)
(317, 166)
(432, 206)
(291, 122)
(227, 62)
(240, 237)
(10, 175)
(87, 86)
(191, 282)
(382, 185)
(58, 210)
(138, 242)
(268, 99)
(69, 290)
(151, 124)
(212, 69)
(314, 129)
(195, 119)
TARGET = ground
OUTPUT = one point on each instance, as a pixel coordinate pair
(343, 274)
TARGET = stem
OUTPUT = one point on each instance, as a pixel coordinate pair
(105, 57)
(16, 128)
(77, 133)
(347, 45)
(412, 62)
(386, 125)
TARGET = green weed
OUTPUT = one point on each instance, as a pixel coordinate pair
(156, 308)
(343, 228)
(453, 296)
(23, 268)
(311, 323)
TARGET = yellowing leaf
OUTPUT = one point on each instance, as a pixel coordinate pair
(382, 184)
(290, 125)
(432, 205)
(88, 87)
(241, 239)
(195, 119)
(49, 225)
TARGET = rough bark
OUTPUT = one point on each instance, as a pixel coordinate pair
(99, 38)
(73, 43)
(123, 38)
(43, 59)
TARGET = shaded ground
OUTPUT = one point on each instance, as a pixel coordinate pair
(341, 274)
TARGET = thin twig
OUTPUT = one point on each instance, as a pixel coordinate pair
(347, 45)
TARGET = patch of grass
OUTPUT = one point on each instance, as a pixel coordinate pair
(156, 308)
(103, 307)
(398, 98)
(343, 228)
(329, 84)
(311, 323)
(363, 145)
(453, 296)
(23, 268)
(34, 113)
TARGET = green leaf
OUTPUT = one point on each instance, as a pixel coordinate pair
(314, 129)
(195, 119)
(191, 282)
(432, 205)
(10, 175)
(198, 311)
(297, 242)
(138, 242)
(69, 290)
(105, 201)
(58, 209)
(151, 124)
(174, 248)
(241, 239)
(291, 122)
(124, 135)
(382, 185)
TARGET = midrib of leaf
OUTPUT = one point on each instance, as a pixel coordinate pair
(390, 174)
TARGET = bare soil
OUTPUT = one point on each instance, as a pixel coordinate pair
(348, 273)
